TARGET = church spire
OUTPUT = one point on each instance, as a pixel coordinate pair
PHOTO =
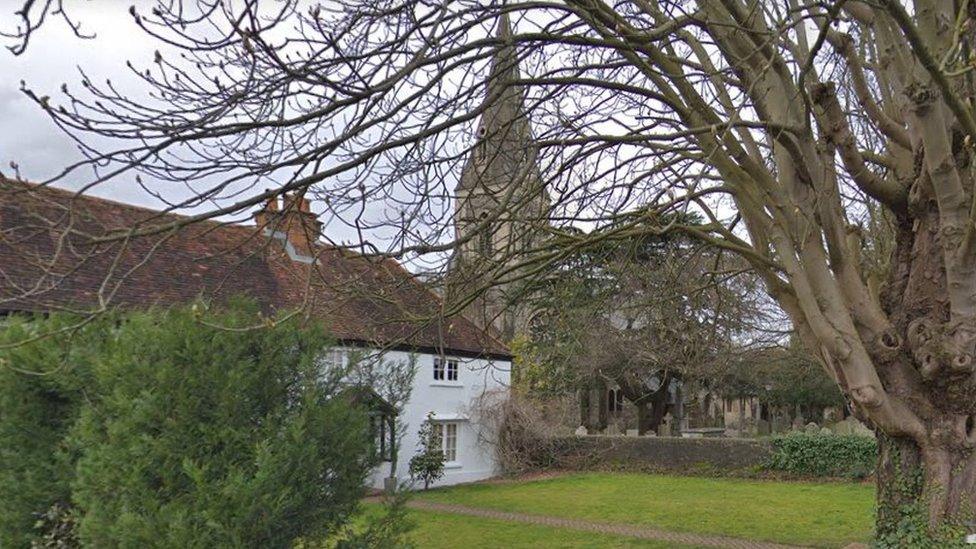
(504, 135)
(500, 203)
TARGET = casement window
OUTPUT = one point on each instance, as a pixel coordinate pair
(445, 369)
(447, 432)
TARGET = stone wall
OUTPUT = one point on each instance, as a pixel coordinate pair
(660, 453)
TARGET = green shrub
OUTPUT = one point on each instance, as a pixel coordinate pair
(40, 397)
(427, 465)
(826, 455)
(177, 428)
(210, 437)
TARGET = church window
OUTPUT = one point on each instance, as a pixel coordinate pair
(485, 240)
(485, 243)
(615, 401)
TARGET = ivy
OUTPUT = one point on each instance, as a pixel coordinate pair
(906, 524)
(823, 455)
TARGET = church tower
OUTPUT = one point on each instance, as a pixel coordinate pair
(501, 205)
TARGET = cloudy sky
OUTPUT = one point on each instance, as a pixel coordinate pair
(54, 57)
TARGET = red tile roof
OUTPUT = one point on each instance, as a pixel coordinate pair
(49, 261)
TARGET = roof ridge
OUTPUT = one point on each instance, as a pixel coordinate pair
(47, 187)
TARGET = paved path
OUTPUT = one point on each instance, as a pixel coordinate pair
(641, 532)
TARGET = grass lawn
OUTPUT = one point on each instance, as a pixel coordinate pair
(828, 514)
(447, 531)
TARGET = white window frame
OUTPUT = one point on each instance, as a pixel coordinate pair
(449, 440)
(447, 371)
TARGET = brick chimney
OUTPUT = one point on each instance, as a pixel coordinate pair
(265, 216)
(294, 220)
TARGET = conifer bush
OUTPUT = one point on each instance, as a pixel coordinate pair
(40, 396)
(182, 428)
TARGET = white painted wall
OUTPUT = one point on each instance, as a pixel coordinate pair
(450, 401)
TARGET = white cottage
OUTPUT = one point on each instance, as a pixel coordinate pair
(450, 386)
(368, 305)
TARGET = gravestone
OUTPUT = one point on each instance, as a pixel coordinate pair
(851, 426)
(664, 429)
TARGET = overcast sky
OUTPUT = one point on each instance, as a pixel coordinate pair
(54, 57)
(28, 136)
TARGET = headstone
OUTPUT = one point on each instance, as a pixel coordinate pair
(851, 426)
(812, 428)
(830, 415)
(632, 432)
(581, 431)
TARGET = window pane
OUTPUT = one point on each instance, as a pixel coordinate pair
(450, 441)
(452, 370)
(438, 369)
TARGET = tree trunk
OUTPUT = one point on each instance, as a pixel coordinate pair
(679, 406)
(934, 486)
(584, 408)
(742, 416)
(651, 411)
(926, 475)
(603, 405)
(898, 481)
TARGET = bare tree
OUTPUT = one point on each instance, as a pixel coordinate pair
(31, 15)
(784, 123)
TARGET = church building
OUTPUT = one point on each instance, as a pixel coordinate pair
(501, 203)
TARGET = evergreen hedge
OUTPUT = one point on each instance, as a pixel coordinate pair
(824, 455)
(179, 429)
(40, 399)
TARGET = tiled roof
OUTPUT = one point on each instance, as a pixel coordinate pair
(49, 260)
